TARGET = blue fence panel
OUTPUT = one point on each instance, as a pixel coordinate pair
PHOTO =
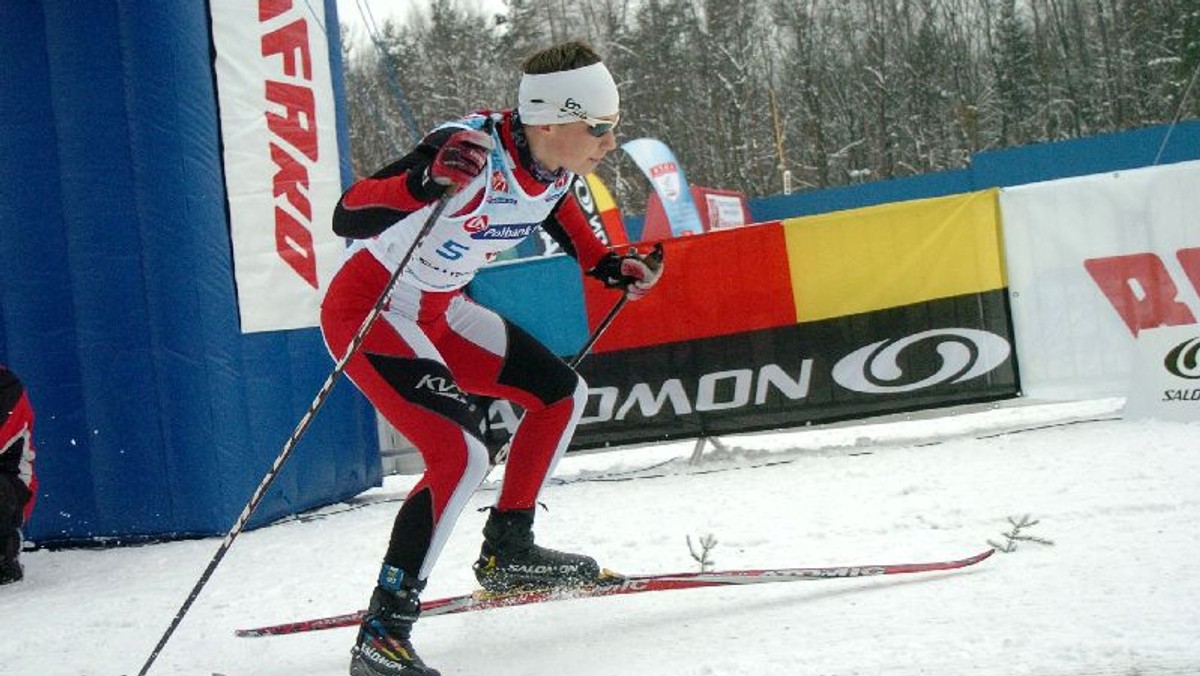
(542, 295)
(155, 416)
(1093, 155)
(854, 196)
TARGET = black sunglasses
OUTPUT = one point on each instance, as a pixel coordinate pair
(596, 126)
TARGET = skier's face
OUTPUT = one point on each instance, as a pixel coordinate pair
(574, 146)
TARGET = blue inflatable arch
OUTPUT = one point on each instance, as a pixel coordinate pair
(155, 416)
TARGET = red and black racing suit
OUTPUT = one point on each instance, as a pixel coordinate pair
(432, 342)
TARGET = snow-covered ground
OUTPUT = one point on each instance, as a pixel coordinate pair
(1117, 593)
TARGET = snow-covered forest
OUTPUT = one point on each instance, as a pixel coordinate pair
(836, 92)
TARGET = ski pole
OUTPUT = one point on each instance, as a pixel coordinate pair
(288, 447)
(656, 256)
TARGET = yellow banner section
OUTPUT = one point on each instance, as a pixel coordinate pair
(856, 261)
(600, 193)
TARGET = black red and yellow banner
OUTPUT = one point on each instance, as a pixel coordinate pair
(844, 315)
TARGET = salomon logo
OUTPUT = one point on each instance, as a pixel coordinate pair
(541, 569)
(1184, 359)
(959, 355)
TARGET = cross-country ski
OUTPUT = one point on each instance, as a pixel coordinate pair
(618, 585)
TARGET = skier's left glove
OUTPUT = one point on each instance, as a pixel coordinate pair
(631, 272)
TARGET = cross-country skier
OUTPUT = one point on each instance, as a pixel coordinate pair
(18, 484)
(502, 174)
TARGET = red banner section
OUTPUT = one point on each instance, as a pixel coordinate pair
(717, 284)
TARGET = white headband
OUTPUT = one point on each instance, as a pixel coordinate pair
(567, 95)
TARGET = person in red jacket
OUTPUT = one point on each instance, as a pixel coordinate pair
(18, 483)
(501, 175)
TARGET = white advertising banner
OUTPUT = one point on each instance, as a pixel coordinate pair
(1095, 262)
(1166, 380)
(279, 135)
(724, 211)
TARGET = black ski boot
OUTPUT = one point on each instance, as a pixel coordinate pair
(383, 647)
(10, 554)
(10, 571)
(509, 561)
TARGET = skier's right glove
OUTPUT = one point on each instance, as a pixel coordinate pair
(461, 158)
(632, 272)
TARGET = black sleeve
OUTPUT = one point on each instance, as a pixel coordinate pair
(553, 226)
(606, 268)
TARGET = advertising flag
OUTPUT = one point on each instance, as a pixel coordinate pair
(657, 161)
(282, 173)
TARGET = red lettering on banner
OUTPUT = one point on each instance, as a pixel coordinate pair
(295, 130)
(664, 168)
(289, 42)
(294, 243)
(299, 126)
(1140, 288)
(291, 181)
(269, 9)
(1190, 260)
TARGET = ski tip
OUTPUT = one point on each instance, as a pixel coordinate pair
(982, 555)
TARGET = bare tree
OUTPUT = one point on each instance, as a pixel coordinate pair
(836, 91)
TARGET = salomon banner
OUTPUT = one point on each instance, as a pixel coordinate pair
(862, 312)
(938, 353)
(278, 131)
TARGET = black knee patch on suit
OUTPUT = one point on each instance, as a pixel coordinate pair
(428, 384)
(411, 534)
(530, 366)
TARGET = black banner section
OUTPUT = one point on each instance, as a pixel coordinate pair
(931, 354)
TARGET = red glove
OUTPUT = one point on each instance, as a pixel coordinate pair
(642, 274)
(461, 158)
(632, 272)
